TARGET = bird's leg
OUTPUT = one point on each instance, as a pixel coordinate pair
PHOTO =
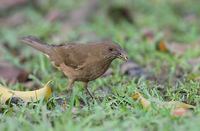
(85, 86)
(70, 85)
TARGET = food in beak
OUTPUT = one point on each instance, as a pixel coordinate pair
(123, 56)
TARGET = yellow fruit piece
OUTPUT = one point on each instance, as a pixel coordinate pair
(26, 96)
(145, 103)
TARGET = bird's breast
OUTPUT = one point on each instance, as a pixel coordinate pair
(90, 71)
(93, 71)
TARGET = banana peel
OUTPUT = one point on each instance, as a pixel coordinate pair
(27, 96)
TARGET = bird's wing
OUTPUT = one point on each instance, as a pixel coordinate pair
(71, 55)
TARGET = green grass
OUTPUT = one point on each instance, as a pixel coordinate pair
(115, 109)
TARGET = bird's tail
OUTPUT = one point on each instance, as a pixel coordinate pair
(36, 43)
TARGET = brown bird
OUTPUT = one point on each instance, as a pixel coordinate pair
(79, 62)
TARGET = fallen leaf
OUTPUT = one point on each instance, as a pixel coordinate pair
(144, 102)
(162, 46)
(177, 104)
(179, 112)
(132, 69)
(175, 48)
(177, 108)
(12, 74)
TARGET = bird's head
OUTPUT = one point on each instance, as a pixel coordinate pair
(112, 51)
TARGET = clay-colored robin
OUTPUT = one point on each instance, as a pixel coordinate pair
(79, 62)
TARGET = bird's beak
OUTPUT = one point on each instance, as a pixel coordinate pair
(123, 55)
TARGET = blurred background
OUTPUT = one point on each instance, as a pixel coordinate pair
(160, 36)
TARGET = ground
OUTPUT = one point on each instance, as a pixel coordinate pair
(139, 26)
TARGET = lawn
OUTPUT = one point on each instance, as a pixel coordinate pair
(161, 38)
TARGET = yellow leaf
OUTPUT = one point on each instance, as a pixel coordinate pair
(144, 102)
(177, 104)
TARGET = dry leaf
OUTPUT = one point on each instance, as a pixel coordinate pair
(177, 104)
(12, 74)
(177, 108)
(175, 48)
(162, 46)
(179, 112)
(132, 69)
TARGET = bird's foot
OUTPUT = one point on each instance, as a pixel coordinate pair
(90, 93)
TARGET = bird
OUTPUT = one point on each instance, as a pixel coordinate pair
(78, 61)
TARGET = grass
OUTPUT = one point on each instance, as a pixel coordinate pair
(114, 110)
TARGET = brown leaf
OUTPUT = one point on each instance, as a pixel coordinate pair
(162, 46)
(132, 69)
(175, 48)
(178, 112)
(12, 74)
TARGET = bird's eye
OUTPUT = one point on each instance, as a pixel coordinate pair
(110, 49)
